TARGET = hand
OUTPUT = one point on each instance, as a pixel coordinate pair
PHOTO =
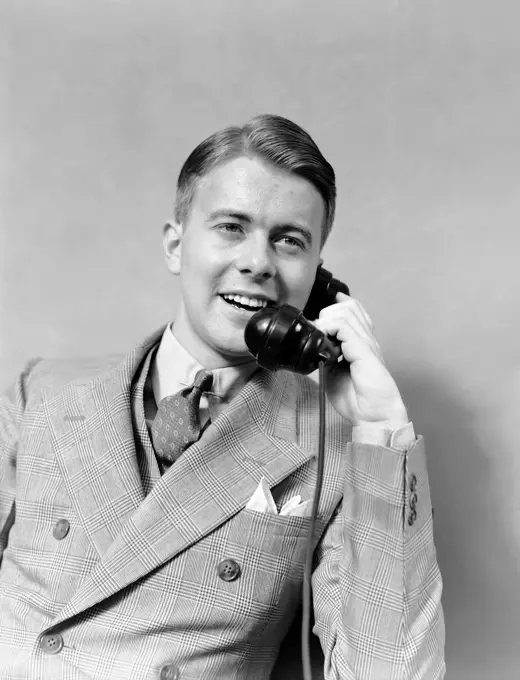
(360, 388)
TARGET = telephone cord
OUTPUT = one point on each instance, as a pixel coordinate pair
(307, 574)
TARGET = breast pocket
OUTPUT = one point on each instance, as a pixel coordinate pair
(257, 571)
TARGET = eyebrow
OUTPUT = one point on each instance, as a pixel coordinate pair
(244, 217)
(230, 213)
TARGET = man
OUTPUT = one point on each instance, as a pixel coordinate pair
(155, 530)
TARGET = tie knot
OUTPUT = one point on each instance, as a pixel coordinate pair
(203, 381)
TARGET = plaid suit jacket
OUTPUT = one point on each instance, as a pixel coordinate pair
(133, 588)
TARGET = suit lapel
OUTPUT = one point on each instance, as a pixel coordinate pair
(256, 436)
(92, 430)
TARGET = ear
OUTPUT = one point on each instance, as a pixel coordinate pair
(172, 241)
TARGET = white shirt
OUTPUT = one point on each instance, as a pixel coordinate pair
(173, 368)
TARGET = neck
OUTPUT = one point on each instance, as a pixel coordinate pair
(206, 356)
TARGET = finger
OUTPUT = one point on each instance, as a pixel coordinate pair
(352, 304)
(366, 315)
(342, 297)
(355, 345)
(334, 322)
(356, 338)
(341, 313)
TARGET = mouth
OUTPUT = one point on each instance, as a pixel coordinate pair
(244, 303)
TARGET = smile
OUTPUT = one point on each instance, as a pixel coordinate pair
(246, 303)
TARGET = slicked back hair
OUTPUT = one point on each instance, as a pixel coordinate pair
(267, 137)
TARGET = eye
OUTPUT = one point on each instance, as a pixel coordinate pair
(291, 243)
(230, 227)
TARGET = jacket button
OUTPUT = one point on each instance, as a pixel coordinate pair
(169, 672)
(228, 570)
(413, 501)
(413, 483)
(52, 643)
(412, 517)
(61, 529)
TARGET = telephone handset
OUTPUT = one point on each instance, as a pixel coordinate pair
(283, 338)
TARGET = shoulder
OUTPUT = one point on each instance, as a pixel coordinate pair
(49, 377)
(52, 375)
(42, 378)
(80, 369)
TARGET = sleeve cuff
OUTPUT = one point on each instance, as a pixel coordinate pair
(400, 439)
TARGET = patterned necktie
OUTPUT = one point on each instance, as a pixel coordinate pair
(177, 423)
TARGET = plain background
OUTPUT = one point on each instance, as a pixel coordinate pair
(417, 106)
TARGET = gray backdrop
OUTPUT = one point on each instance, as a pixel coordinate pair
(416, 104)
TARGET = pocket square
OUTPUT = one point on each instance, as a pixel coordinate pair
(262, 501)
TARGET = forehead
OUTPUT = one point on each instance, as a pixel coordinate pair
(263, 190)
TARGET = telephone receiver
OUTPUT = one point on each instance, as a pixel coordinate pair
(283, 338)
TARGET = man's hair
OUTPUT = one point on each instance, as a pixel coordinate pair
(271, 138)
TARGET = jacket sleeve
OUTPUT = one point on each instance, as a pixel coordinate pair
(376, 583)
(12, 406)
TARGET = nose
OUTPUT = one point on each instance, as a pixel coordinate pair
(256, 258)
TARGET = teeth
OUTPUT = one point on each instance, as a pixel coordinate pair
(242, 300)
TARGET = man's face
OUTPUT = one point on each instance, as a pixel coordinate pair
(253, 231)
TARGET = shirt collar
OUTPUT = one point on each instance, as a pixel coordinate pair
(174, 368)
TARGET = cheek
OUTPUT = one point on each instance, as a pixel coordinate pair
(201, 280)
(199, 265)
(300, 300)
(299, 285)
(205, 253)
